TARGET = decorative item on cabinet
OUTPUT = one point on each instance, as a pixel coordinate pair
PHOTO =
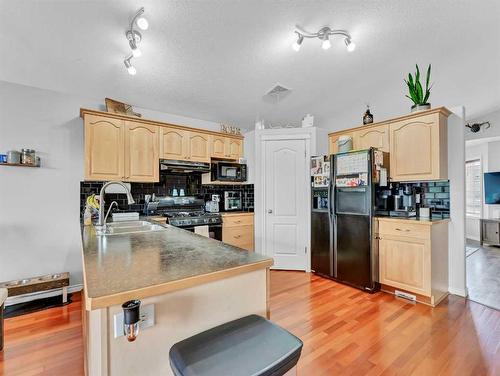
(367, 117)
(417, 95)
(116, 107)
(225, 128)
(308, 121)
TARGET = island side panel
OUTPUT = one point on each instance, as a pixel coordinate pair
(178, 315)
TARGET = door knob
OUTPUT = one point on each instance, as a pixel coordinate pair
(270, 211)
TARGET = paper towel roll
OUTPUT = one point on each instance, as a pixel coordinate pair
(202, 230)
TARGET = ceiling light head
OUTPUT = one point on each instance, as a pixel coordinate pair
(130, 68)
(139, 19)
(142, 23)
(298, 42)
(351, 46)
(326, 44)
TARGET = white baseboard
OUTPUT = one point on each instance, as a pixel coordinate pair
(41, 294)
(460, 292)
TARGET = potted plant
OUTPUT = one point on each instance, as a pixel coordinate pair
(418, 96)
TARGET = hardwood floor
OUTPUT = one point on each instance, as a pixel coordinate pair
(348, 332)
(345, 332)
(44, 343)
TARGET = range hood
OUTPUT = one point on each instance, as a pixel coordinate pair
(172, 165)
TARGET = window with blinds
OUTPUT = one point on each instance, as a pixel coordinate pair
(473, 188)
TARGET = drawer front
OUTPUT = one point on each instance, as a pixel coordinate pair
(237, 220)
(241, 236)
(404, 229)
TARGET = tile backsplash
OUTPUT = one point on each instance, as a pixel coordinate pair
(191, 184)
(435, 195)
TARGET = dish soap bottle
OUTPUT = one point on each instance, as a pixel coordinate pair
(368, 117)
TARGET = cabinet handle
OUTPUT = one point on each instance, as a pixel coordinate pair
(237, 236)
(237, 221)
(405, 230)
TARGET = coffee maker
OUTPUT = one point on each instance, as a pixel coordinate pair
(404, 201)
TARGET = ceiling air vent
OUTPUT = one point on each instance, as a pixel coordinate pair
(276, 94)
(278, 89)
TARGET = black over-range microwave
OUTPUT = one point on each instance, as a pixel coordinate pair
(229, 171)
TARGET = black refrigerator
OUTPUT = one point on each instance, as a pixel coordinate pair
(342, 246)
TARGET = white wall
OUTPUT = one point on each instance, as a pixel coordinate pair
(493, 131)
(39, 207)
(456, 228)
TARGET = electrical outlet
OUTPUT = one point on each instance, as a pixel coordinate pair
(146, 319)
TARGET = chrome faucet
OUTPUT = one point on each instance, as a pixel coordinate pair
(102, 219)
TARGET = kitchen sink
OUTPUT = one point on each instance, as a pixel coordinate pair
(128, 227)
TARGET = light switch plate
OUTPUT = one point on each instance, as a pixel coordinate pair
(147, 319)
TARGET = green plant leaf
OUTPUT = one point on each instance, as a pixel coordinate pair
(411, 90)
(428, 78)
(417, 75)
(420, 92)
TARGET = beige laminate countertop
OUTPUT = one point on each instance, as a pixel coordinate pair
(121, 267)
(413, 219)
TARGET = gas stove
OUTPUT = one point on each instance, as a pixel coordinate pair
(189, 219)
(186, 212)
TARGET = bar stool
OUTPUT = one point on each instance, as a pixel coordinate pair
(3, 297)
(247, 346)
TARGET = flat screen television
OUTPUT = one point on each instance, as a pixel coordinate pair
(492, 188)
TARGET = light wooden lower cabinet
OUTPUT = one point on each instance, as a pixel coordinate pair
(238, 230)
(413, 258)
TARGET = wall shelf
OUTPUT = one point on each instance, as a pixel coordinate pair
(17, 165)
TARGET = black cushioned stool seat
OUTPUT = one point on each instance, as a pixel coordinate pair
(248, 346)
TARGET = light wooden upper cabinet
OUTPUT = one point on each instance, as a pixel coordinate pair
(104, 148)
(333, 146)
(174, 143)
(418, 148)
(235, 148)
(141, 152)
(218, 146)
(198, 147)
(376, 137)
(226, 147)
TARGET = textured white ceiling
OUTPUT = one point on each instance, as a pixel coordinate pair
(215, 59)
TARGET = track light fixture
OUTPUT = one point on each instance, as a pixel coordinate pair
(324, 35)
(130, 68)
(134, 37)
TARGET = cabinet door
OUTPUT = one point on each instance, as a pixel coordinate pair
(490, 232)
(217, 147)
(104, 140)
(415, 149)
(198, 147)
(405, 263)
(141, 152)
(376, 137)
(234, 148)
(173, 143)
(333, 145)
(240, 236)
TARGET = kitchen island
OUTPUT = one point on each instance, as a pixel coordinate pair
(194, 283)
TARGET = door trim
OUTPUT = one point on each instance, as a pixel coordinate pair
(260, 210)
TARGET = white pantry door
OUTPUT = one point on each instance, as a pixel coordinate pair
(285, 203)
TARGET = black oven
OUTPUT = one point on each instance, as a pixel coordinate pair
(228, 171)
